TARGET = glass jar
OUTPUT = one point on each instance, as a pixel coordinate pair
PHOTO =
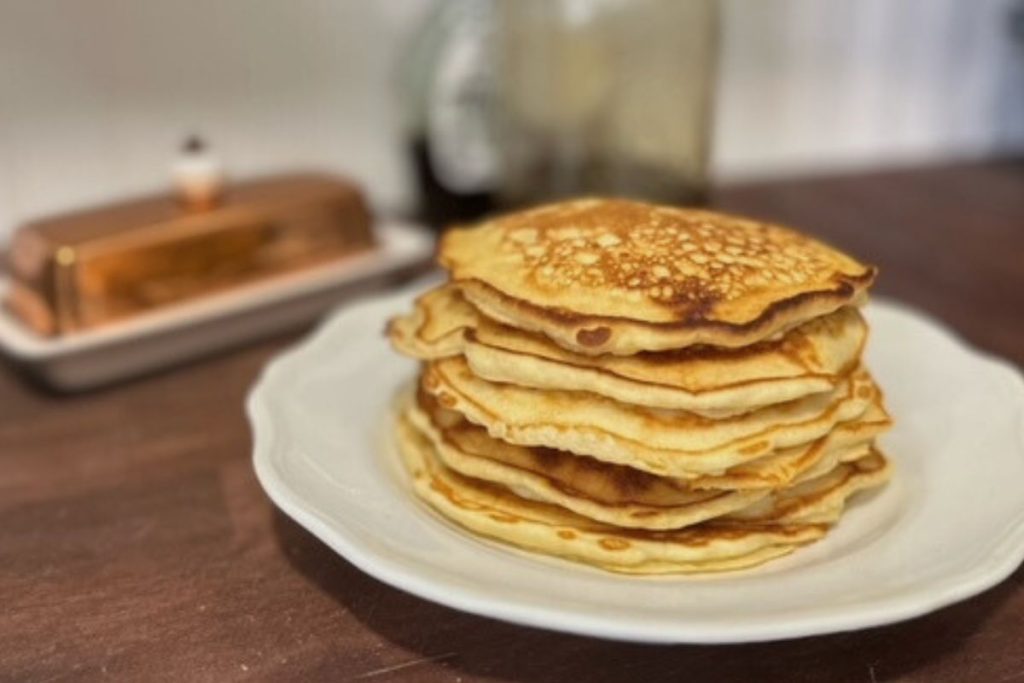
(609, 97)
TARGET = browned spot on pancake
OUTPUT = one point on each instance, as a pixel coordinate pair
(503, 517)
(796, 346)
(425, 400)
(632, 481)
(700, 306)
(865, 392)
(754, 448)
(566, 534)
(547, 458)
(643, 514)
(447, 491)
(430, 381)
(446, 399)
(594, 337)
(613, 544)
(570, 473)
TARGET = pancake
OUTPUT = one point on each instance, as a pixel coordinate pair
(640, 388)
(722, 565)
(819, 500)
(609, 493)
(496, 513)
(710, 381)
(846, 441)
(670, 443)
(617, 276)
(585, 486)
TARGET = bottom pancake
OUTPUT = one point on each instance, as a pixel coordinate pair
(497, 513)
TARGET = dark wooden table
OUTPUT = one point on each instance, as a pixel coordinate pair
(136, 544)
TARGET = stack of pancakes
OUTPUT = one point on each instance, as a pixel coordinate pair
(642, 388)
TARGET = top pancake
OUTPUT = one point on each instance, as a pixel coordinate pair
(618, 276)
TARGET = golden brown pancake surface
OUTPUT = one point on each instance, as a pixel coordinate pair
(620, 276)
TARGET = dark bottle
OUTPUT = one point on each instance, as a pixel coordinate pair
(448, 92)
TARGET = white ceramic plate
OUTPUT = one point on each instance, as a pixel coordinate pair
(950, 525)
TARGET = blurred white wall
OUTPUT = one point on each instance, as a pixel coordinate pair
(826, 84)
(96, 94)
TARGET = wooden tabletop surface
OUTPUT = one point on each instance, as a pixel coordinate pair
(135, 543)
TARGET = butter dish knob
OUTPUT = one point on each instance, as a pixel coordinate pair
(198, 175)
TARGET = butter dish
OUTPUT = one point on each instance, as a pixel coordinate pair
(192, 328)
